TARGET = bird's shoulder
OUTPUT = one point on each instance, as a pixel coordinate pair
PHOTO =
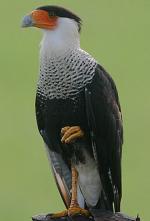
(103, 81)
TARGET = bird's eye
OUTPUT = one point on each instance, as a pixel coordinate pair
(51, 14)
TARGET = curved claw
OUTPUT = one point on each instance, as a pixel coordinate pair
(70, 134)
(72, 211)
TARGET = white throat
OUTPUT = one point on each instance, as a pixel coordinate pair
(59, 41)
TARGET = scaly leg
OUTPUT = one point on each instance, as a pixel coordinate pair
(74, 208)
(70, 134)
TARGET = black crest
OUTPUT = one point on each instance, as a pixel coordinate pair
(61, 12)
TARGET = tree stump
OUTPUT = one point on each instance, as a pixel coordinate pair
(98, 215)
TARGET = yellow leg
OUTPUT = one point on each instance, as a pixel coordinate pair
(74, 201)
(70, 134)
(74, 208)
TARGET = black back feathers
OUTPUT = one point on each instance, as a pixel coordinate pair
(61, 12)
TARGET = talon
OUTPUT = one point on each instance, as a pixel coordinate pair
(64, 130)
(59, 215)
(70, 134)
(74, 211)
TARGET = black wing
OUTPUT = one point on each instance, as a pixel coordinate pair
(59, 168)
(105, 122)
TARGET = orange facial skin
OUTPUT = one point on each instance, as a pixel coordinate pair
(42, 19)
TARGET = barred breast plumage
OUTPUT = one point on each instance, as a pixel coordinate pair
(64, 77)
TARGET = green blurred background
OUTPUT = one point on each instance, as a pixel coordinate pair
(117, 34)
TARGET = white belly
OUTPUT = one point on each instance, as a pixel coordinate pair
(89, 181)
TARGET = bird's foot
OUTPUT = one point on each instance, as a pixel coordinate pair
(59, 214)
(70, 134)
(72, 211)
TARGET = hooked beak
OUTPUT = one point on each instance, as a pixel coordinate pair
(39, 19)
(27, 21)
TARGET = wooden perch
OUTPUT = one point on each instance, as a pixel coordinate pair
(98, 215)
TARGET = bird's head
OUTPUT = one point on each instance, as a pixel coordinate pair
(60, 26)
(49, 17)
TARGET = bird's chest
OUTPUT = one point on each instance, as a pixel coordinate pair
(65, 112)
(60, 83)
(65, 77)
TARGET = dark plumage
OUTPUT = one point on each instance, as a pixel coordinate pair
(103, 119)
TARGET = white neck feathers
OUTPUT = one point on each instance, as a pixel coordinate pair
(63, 38)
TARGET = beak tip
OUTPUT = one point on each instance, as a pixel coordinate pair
(27, 21)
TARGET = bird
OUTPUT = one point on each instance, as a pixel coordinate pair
(78, 115)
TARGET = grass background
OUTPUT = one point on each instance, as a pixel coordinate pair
(116, 33)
